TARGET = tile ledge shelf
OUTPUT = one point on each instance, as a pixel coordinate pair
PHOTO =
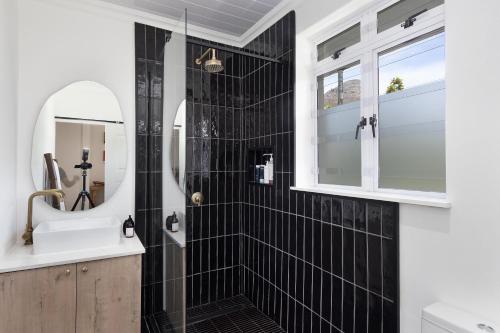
(392, 197)
(178, 236)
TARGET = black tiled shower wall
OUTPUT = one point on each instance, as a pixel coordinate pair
(312, 262)
(213, 166)
(149, 55)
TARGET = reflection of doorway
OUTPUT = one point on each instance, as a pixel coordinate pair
(71, 138)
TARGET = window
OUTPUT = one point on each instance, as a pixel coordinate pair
(411, 116)
(339, 156)
(380, 106)
(333, 46)
(403, 10)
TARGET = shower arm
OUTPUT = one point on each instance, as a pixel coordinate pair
(200, 59)
(232, 50)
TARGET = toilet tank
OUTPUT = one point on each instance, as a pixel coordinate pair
(443, 318)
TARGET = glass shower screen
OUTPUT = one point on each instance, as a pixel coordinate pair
(173, 148)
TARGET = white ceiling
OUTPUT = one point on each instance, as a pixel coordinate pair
(233, 17)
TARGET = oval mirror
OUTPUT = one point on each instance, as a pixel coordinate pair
(79, 146)
(178, 146)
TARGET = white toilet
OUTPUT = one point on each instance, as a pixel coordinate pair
(443, 318)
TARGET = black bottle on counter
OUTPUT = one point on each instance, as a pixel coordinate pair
(128, 227)
(172, 223)
(175, 223)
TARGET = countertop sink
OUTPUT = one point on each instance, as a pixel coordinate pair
(76, 234)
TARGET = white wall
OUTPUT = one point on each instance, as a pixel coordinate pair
(59, 45)
(8, 85)
(450, 255)
(453, 255)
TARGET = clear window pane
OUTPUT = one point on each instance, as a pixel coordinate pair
(412, 116)
(339, 153)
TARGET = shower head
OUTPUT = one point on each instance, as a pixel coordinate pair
(212, 65)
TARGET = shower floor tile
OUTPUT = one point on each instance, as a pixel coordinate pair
(157, 323)
(248, 320)
(233, 315)
(216, 309)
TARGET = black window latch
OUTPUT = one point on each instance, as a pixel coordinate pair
(361, 124)
(410, 20)
(337, 53)
(373, 123)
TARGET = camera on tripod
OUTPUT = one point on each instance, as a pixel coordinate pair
(85, 157)
(84, 193)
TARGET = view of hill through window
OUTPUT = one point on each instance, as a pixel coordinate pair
(342, 87)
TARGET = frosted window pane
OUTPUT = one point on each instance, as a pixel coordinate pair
(339, 153)
(412, 116)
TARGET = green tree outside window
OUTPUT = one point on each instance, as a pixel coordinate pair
(396, 85)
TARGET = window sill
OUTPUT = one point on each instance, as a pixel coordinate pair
(392, 197)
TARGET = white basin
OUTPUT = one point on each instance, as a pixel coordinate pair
(77, 234)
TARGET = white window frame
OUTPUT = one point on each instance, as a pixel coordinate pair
(367, 52)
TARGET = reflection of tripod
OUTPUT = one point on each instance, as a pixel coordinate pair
(84, 193)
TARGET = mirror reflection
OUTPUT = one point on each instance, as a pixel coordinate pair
(178, 146)
(79, 146)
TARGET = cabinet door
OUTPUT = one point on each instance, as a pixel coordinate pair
(109, 295)
(39, 300)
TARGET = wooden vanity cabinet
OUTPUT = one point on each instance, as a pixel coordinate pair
(108, 295)
(95, 296)
(38, 300)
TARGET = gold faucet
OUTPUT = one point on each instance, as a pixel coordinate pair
(28, 234)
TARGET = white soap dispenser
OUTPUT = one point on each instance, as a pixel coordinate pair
(271, 169)
(266, 173)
